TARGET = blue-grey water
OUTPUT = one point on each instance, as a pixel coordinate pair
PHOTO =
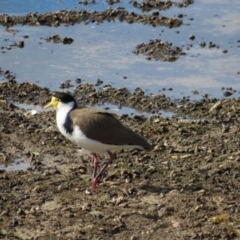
(105, 50)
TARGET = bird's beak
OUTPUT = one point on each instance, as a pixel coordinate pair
(53, 103)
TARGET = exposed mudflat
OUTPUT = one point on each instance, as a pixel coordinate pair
(72, 17)
(188, 187)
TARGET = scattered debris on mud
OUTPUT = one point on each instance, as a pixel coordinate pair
(149, 5)
(74, 16)
(57, 39)
(188, 187)
(158, 50)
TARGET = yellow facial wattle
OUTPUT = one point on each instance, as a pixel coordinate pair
(53, 103)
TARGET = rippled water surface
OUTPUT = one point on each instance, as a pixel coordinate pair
(105, 50)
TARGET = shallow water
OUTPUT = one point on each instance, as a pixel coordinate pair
(105, 51)
(16, 165)
(19, 8)
(106, 106)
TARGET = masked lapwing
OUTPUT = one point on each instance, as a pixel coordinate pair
(94, 130)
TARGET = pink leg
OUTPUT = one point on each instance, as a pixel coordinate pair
(94, 182)
(95, 164)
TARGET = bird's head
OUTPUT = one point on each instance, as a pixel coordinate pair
(61, 100)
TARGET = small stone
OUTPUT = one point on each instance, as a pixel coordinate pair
(176, 224)
(37, 189)
(4, 213)
(227, 94)
(86, 207)
(133, 237)
(20, 44)
(20, 211)
(151, 169)
(203, 44)
(88, 191)
(118, 200)
(15, 222)
(191, 37)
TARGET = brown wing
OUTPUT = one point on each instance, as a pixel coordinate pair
(105, 128)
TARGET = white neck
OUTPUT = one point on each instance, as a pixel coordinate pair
(62, 110)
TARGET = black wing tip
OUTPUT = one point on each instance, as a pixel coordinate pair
(148, 148)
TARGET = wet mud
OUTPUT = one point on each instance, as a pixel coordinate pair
(83, 16)
(187, 187)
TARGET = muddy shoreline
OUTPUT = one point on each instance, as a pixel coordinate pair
(172, 192)
(187, 187)
(72, 17)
